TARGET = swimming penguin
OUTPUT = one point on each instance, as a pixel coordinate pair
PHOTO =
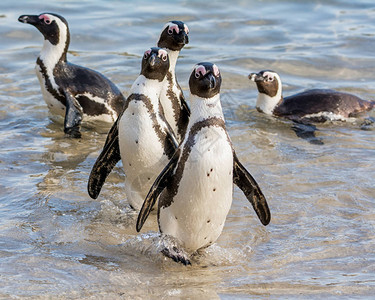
(145, 139)
(317, 105)
(173, 38)
(196, 186)
(70, 90)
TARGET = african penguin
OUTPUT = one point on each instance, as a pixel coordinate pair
(317, 105)
(196, 186)
(70, 90)
(173, 38)
(145, 139)
(173, 105)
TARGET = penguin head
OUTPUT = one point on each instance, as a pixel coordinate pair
(155, 63)
(205, 80)
(52, 26)
(174, 36)
(268, 82)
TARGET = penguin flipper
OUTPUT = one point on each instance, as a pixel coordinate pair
(185, 107)
(105, 162)
(73, 116)
(171, 144)
(306, 131)
(157, 187)
(243, 179)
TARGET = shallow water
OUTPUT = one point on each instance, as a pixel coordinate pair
(55, 241)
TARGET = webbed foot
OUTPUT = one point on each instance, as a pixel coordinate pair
(177, 255)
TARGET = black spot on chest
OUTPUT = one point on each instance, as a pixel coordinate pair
(172, 189)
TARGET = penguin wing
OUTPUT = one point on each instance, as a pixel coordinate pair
(171, 144)
(105, 162)
(73, 115)
(156, 189)
(243, 179)
(185, 107)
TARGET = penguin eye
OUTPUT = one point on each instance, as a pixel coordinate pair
(268, 77)
(200, 71)
(147, 53)
(163, 55)
(46, 19)
(186, 29)
(173, 27)
(216, 70)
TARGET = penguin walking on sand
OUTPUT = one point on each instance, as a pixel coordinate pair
(316, 105)
(196, 186)
(70, 90)
(173, 38)
(173, 105)
(145, 139)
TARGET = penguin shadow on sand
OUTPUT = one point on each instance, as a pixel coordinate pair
(308, 108)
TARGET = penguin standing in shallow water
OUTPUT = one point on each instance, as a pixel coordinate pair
(317, 105)
(196, 186)
(175, 109)
(173, 38)
(69, 90)
(145, 139)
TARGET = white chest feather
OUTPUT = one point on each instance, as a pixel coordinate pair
(50, 55)
(267, 104)
(141, 148)
(204, 197)
(55, 106)
(199, 209)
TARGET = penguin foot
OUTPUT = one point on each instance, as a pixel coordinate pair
(307, 131)
(177, 255)
(171, 247)
(73, 132)
(368, 124)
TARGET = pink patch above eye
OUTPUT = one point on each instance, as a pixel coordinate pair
(186, 29)
(45, 18)
(175, 27)
(162, 53)
(200, 69)
(216, 70)
(147, 52)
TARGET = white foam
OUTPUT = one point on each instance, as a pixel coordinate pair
(330, 116)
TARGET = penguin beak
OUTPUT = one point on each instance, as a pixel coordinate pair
(182, 39)
(29, 19)
(256, 77)
(152, 59)
(212, 80)
(185, 38)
